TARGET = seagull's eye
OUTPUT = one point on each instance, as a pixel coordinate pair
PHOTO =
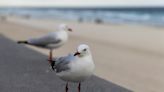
(85, 50)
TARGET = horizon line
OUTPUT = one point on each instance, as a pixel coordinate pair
(82, 7)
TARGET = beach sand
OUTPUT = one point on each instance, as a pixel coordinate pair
(131, 56)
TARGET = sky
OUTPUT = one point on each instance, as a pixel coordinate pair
(82, 3)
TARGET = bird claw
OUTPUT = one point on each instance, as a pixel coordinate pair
(52, 68)
(52, 63)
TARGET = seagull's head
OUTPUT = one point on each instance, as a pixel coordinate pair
(82, 50)
(64, 27)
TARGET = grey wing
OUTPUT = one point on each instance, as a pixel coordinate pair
(45, 40)
(61, 63)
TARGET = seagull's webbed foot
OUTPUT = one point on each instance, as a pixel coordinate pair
(52, 63)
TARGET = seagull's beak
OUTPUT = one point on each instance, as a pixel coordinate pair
(77, 53)
(69, 29)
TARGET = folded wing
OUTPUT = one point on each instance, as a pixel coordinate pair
(61, 64)
(45, 40)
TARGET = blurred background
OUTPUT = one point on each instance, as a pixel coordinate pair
(125, 36)
(153, 16)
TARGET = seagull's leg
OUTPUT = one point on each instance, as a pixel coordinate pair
(50, 60)
(79, 87)
(66, 87)
(50, 56)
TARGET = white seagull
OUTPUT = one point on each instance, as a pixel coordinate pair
(75, 67)
(50, 41)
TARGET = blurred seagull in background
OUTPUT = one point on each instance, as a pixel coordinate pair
(50, 41)
(75, 67)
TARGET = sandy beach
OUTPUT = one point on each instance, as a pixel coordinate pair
(128, 55)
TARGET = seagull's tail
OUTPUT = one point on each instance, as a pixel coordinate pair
(22, 42)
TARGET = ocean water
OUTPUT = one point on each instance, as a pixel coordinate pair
(147, 16)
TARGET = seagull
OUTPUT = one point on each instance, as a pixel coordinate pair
(75, 67)
(50, 41)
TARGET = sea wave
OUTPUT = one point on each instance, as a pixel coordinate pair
(142, 16)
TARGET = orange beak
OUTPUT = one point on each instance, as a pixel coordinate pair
(77, 53)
